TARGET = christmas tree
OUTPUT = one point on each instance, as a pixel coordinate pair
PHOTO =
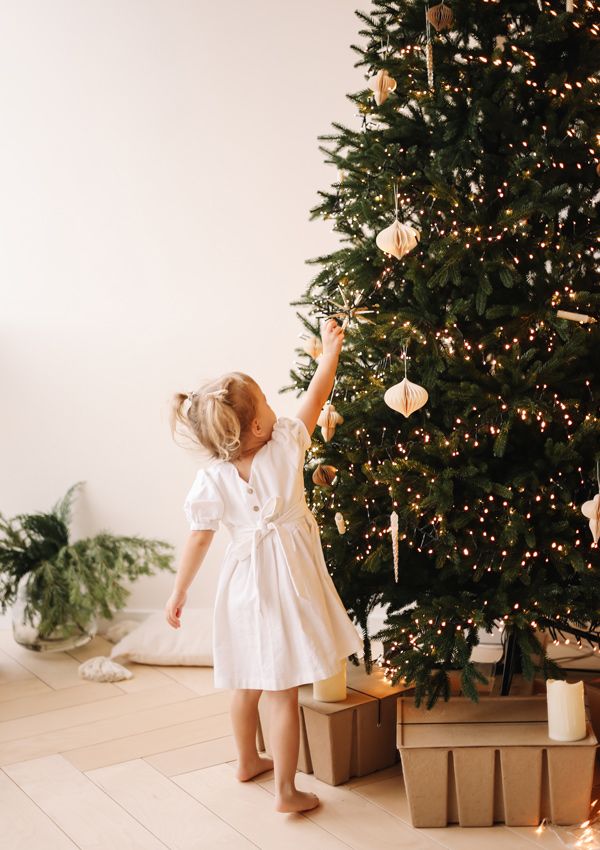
(467, 205)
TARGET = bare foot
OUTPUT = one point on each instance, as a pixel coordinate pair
(253, 768)
(298, 801)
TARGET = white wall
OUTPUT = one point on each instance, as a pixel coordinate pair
(158, 161)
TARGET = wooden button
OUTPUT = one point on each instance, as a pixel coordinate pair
(250, 490)
(255, 508)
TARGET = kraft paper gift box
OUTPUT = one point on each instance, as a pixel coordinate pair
(351, 737)
(592, 699)
(476, 763)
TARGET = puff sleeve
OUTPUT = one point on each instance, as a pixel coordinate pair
(203, 505)
(292, 431)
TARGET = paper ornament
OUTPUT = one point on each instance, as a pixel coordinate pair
(313, 347)
(324, 475)
(405, 397)
(339, 521)
(382, 84)
(397, 239)
(394, 533)
(329, 419)
(440, 17)
(591, 510)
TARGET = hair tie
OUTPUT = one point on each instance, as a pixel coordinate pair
(217, 393)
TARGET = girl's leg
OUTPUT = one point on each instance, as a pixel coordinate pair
(284, 738)
(244, 719)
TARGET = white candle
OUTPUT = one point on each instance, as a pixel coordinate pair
(566, 710)
(333, 688)
(575, 317)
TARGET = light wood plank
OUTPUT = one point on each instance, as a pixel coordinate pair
(25, 687)
(194, 757)
(61, 738)
(27, 825)
(247, 807)
(357, 820)
(197, 679)
(166, 810)
(82, 810)
(80, 696)
(170, 737)
(113, 707)
(12, 671)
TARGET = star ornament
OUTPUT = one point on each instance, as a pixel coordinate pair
(591, 510)
(349, 311)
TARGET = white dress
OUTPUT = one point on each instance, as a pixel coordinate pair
(278, 619)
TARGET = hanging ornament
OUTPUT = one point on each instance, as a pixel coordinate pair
(313, 347)
(591, 509)
(440, 17)
(325, 476)
(397, 239)
(499, 42)
(348, 311)
(394, 533)
(405, 397)
(329, 419)
(382, 84)
(339, 521)
(569, 5)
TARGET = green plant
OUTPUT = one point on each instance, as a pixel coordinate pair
(70, 582)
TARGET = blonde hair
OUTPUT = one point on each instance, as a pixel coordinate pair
(218, 414)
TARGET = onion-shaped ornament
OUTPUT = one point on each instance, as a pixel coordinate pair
(340, 523)
(313, 347)
(440, 17)
(324, 475)
(591, 510)
(329, 419)
(382, 84)
(405, 397)
(397, 239)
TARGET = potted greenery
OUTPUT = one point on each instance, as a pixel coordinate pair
(56, 587)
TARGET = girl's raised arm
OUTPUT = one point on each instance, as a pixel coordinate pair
(321, 384)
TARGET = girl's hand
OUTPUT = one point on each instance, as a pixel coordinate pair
(174, 606)
(332, 336)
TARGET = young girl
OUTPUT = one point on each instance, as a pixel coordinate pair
(278, 620)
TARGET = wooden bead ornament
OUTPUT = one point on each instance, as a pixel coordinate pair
(324, 475)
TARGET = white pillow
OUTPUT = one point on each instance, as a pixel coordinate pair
(156, 642)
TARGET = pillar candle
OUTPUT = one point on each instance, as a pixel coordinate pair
(566, 710)
(333, 688)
